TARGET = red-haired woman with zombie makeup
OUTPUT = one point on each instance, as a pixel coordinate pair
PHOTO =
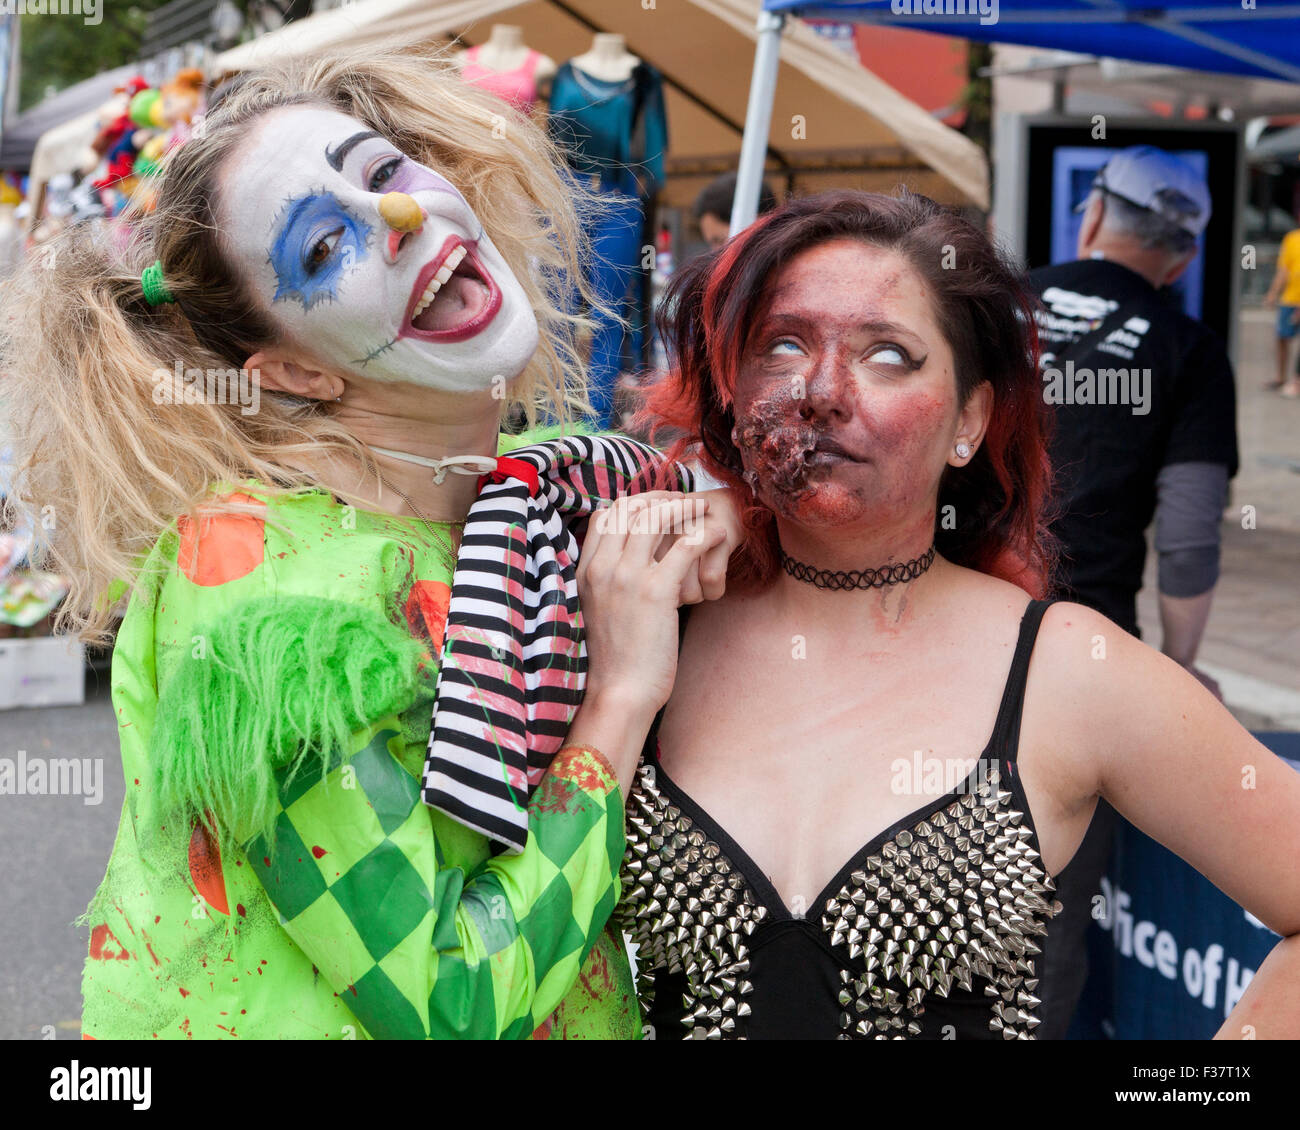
(882, 748)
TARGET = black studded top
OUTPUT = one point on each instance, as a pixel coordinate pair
(930, 931)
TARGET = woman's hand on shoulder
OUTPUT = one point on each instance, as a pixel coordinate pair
(635, 560)
(707, 577)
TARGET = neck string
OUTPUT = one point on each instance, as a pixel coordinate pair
(429, 524)
(456, 464)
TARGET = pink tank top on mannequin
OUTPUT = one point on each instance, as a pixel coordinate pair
(518, 87)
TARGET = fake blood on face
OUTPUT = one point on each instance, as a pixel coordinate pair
(839, 420)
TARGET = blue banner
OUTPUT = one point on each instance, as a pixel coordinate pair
(1169, 953)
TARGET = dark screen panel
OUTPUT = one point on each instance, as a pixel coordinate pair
(1219, 145)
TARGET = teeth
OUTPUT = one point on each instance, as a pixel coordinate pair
(426, 298)
(445, 272)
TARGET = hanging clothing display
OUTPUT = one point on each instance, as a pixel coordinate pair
(614, 131)
(616, 236)
(517, 86)
(614, 135)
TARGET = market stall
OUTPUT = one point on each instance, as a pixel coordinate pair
(834, 123)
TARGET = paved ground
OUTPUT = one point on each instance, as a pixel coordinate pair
(1253, 639)
(54, 848)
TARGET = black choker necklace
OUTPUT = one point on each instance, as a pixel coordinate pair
(858, 579)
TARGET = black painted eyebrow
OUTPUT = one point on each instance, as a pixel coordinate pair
(338, 155)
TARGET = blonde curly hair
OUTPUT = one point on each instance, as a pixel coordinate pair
(102, 469)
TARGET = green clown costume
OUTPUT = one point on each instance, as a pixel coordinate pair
(275, 874)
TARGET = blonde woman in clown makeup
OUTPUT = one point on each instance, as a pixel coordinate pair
(357, 235)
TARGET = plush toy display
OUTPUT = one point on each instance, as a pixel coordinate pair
(182, 100)
(140, 126)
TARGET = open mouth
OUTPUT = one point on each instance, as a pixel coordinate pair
(454, 296)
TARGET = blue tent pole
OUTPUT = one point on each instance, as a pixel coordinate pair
(758, 120)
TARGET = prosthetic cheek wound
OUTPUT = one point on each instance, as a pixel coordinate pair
(775, 442)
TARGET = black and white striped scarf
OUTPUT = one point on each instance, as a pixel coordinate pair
(514, 662)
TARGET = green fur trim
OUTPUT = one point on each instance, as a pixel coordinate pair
(278, 682)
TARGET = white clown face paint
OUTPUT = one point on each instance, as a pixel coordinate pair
(300, 210)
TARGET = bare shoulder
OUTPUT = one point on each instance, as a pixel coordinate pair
(984, 598)
(1071, 638)
(1077, 638)
(1090, 669)
(1107, 668)
(1113, 695)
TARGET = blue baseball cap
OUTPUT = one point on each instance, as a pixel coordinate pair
(1150, 178)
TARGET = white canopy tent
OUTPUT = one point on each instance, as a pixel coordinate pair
(834, 122)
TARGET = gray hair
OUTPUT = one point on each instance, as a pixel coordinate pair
(1151, 230)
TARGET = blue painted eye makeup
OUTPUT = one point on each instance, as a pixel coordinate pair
(318, 240)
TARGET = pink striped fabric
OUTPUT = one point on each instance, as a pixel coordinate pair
(513, 661)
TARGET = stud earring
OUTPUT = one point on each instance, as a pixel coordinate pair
(963, 450)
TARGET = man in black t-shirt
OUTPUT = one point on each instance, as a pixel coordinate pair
(1145, 427)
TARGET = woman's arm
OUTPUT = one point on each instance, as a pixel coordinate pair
(1176, 764)
(636, 561)
(349, 855)
(1278, 284)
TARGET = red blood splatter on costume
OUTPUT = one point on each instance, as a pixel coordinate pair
(426, 611)
(205, 869)
(587, 774)
(104, 946)
(223, 547)
(556, 796)
(318, 851)
(597, 970)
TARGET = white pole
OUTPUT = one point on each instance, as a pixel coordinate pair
(758, 120)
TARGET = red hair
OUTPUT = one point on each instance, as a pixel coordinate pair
(985, 312)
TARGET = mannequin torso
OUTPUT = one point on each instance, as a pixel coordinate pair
(506, 54)
(609, 60)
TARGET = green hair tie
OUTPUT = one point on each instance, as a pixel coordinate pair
(151, 282)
